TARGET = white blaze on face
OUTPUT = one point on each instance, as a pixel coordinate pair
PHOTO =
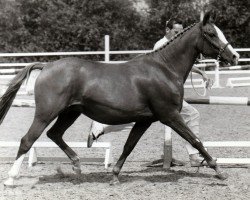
(224, 40)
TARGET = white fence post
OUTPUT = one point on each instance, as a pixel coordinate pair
(216, 76)
(167, 156)
(107, 49)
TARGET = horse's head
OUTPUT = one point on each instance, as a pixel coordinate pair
(214, 43)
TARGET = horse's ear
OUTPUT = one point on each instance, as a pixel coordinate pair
(213, 15)
(210, 16)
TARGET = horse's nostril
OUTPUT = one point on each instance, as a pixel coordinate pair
(236, 56)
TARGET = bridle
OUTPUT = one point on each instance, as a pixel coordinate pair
(221, 49)
(214, 45)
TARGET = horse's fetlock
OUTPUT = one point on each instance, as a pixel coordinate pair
(212, 163)
(116, 170)
(76, 160)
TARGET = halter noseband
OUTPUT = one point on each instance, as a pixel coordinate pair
(221, 49)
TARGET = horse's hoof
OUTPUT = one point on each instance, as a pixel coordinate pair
(9, 182)
(77, 170)
(59, 170)
(114, 183)
(222, 175)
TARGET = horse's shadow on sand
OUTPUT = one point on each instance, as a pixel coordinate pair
(148, 175)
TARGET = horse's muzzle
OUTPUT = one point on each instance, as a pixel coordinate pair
(235, 59)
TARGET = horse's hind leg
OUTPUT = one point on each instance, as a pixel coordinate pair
(134, 136)
(177, 123)
(64, 121)
(27, 141)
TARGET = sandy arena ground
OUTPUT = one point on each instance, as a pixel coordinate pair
(217, 123)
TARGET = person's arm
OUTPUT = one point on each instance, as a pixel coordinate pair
(206, 79)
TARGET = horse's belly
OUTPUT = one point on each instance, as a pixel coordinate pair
(108, 115)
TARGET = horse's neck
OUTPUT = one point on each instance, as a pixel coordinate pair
(180, 55)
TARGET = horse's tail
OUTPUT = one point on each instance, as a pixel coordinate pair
(10, 94)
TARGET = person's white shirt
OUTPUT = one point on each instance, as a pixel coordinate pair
(160, 43)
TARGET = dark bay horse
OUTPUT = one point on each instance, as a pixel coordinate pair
(146, 89)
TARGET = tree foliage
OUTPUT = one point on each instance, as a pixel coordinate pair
(68, 25)
(234, 18)
(73, 25)
(161, 11)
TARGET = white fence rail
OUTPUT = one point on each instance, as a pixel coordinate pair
(107, 53)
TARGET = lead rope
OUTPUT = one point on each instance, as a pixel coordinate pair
(204, 87)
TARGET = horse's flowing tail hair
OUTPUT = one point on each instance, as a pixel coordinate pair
(10, 94)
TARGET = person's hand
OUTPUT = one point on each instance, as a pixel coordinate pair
(209, 82)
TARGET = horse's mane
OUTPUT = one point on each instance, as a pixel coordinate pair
(172, 39)
(167, 43)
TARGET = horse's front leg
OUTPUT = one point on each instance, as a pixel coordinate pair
(177, 123)
(134, 136)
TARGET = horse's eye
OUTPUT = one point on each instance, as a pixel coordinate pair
(211, 34)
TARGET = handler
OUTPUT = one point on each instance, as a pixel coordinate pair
(190, 115)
